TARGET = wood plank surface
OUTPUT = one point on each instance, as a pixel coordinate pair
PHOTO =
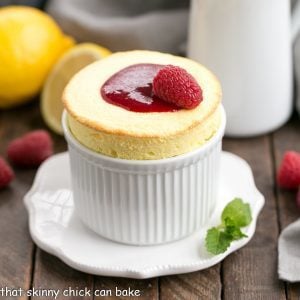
(197, 285)
(287, 138)
(251, 272)
(16, 251)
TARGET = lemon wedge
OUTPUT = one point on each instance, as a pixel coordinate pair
(69, 64)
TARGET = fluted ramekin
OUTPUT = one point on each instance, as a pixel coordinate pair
(145, 202)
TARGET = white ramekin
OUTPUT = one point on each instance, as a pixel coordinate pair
(145, 202)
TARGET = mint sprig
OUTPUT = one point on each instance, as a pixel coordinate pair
(236, 214)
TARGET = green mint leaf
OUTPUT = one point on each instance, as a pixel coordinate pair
(238, 212)
(217, 241)
(232, 230)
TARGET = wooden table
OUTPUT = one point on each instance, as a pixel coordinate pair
(250, 273)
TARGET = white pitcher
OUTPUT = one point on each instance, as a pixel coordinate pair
(247, 44)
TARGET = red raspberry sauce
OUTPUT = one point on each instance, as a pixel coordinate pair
(131, 88)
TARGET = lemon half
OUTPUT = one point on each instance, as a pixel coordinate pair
(69, 64)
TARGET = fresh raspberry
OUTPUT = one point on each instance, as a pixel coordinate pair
(174, 84)
(6, 174)
(289, 171)
(31, 149)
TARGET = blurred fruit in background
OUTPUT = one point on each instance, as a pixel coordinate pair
(70, 63)
(30, 44)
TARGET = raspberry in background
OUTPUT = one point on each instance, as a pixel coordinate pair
(175, 85)
(6, 173)
(289, 171)
(31, 149)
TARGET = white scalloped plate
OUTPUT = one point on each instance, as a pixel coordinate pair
(56, 229)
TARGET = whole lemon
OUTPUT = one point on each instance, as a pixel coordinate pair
(30, 44)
